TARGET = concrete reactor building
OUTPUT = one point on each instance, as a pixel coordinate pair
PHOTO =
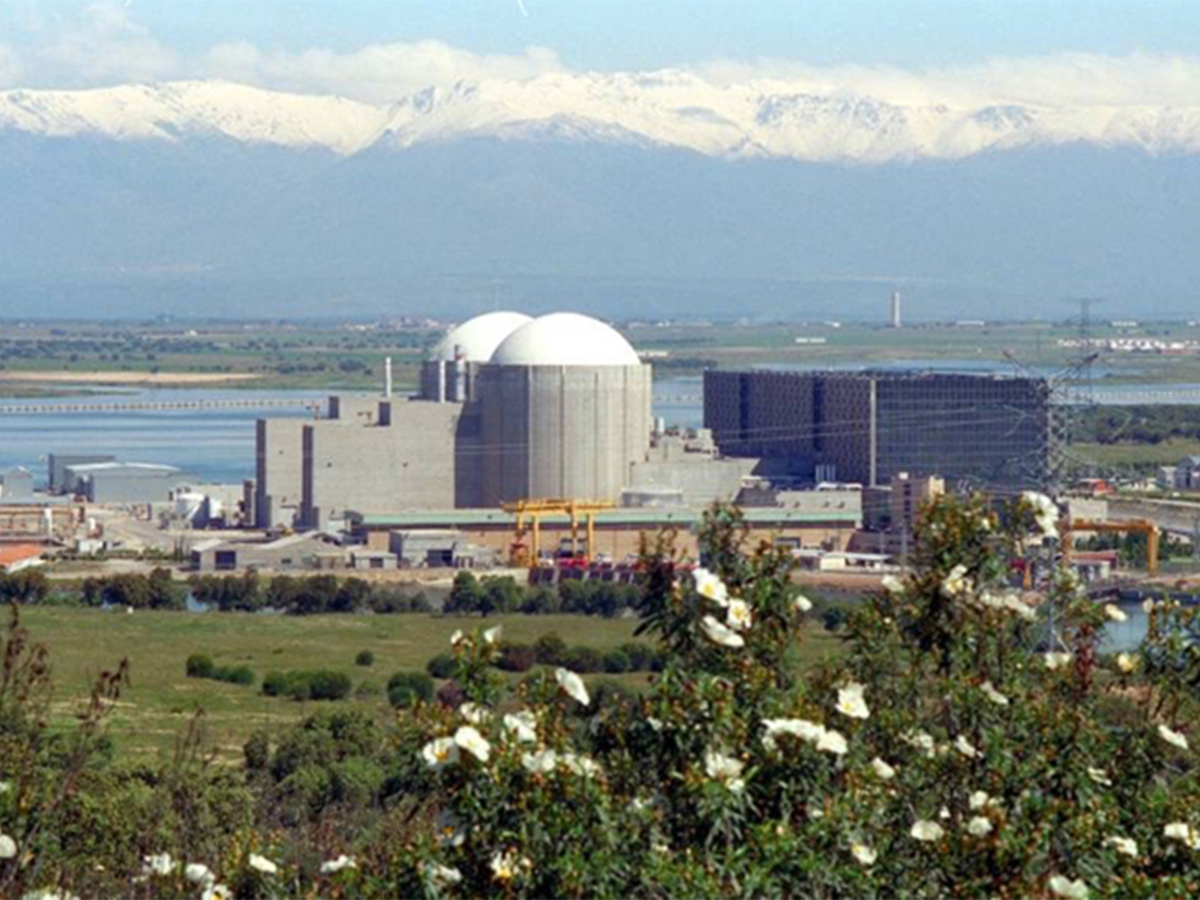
(509, 408)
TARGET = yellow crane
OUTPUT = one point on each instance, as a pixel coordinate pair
(529, 514)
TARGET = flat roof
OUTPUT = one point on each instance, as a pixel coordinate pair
(617, 517)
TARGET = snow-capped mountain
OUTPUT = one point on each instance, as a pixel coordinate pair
(666, 109)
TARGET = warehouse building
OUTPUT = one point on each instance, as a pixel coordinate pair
(58, 462)
(124, 482)
(16, 485)
(867, 427)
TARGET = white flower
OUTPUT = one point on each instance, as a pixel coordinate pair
(505, 866)
(580, 765)
(738, 615)
(1127, 662)
(1057, 660)
(922, 741)
(924, 830)
(475, 714)
(541, 763)
(473, 742)
(710, 587)
(882, 769)
(726, 769)
(198, 873)
(8, 847)
(1061, 886)
(262, 864)
(438, 876)
(5, 787)
(944, 812)
(158, 864)
(1148, 606)
(336, 865)
(456, 638)
(719, 634)
(801, 728)
(440, 752)
(979, 826)
(573, 685)
(992, 694)
(1045, 513)
(449, 829)
(523, 724)
(979, 799)
(1123, 845)
(1099, 776)
(892, 584)
(863, 853)
(802, 604)
(832, 742)
(850, 701)
(1172, 737)
(492, 635)
(1015, 604)
(216, 892)
(956, 582)
(1181, 831)
(965, 747)
(1115, 613)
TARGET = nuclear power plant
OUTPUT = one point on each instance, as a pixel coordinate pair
(510, 407)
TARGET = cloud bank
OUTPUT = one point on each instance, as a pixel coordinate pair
(105, 45)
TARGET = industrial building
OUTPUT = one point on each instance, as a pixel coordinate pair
(58, 463)
(16, 485)
(867, 427)
(124, 482)
(510, 407)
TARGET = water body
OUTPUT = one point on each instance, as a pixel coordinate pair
(215, 444)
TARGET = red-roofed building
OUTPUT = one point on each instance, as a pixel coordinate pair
(14, 557)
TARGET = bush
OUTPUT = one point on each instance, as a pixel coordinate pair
(641, 656)
(516, 657)
(233, 674)
(364, 658)
(616, 661)
(834, 618)
(405, 688)
(583, 659)
(200, 665)
(549, 649)
(450, 695)
(320, 684)
(444, 665)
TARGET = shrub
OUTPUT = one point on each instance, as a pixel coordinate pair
(834, 618)
(450, 695)
(549, 649)
(200, 665)
(443, 665)
(257, 751)
(616, 661)
(405, 688)
(582, 659)
(364, 658)
(233, 674)
(320, 684)
(516, 657)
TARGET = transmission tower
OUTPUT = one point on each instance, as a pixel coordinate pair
(1084, 383)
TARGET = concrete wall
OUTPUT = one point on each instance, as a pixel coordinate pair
(561, 431)
(409, 464)
(702, 480)
(279, 463)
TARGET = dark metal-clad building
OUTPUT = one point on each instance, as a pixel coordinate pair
(868, 426)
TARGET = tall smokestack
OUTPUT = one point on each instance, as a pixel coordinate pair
(895, 309)
(387, 377)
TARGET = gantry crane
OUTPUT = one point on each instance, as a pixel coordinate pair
(529, 513)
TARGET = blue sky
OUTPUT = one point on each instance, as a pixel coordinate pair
(619, 34)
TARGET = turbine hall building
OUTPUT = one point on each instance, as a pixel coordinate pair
(868, 427)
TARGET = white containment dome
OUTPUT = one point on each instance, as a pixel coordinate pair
(477, 339)
(565, 339)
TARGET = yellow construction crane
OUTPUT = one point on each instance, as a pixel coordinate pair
(1135, 525)
(529, 514)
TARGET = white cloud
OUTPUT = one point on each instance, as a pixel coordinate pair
(1056, 81)
(11, 68)
(104, 45)
(378, 73)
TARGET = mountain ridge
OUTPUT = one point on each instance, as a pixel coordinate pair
(667, 109)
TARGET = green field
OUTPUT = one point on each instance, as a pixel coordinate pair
(160, 699)
(1145, 456)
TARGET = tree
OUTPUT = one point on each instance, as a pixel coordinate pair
(465, 595)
